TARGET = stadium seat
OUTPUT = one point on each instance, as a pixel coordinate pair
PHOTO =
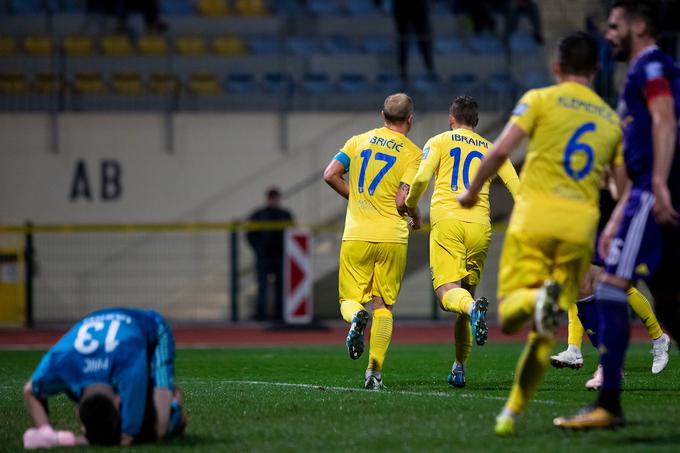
(77, 46)
(316, 83)
(229, 46)
(47, 83)
(251, 8)
(323, 7)
(127, 83)
(116, 45)
(462, 83)
(213, 8)
(27, 6)
(360, 7)
(501, 83)
(353, 84)
(522, 42)
(264, 45)
(338, 44)
(177, 7)
(379, 45)
(70, 6)
(291, 8)
(277, 82)
(7, 46)
(153, 45)
(204, 83)
(447, 45)
(537, 79)
(300, 45)
(190, 45)
(388, 82)
(13, 83)
(38, 45)
(486, 45)
(241, 83)
(163, 83)
(89, 83)
(426, 83)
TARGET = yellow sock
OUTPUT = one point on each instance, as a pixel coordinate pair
(516, 309)
(529, 373)
(643, 309)
(348, 308)
(463, 335)
(576, 330)
(381, 334)
(457, 300)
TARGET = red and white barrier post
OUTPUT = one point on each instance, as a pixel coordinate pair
(298, 294)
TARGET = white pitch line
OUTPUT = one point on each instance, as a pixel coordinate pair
(387, 391)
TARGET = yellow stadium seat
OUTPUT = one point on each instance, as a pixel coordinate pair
(213, 7)
(204, 83)
(190, 45)
(38, 45)
(153, 45)
(128, 83)
(251, 8)
(77, 45)
(13, 83)
(7, 46)
(229, 45)
(47, 82)
(116, 45)
(89, 83)
(163, 83)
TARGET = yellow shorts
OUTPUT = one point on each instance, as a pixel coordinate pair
(527, 261)
(458, 251)
(370, 269)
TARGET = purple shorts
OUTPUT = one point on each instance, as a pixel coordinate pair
(636, 250)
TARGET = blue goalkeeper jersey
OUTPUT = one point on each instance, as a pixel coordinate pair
(110, 346)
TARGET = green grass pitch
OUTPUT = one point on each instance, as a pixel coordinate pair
(311, 399)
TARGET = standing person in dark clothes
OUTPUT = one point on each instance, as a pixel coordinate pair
(268, 248)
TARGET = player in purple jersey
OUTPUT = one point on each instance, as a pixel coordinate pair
(118, 365)
(641, 238)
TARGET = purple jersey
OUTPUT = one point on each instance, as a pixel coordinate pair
(651, 74)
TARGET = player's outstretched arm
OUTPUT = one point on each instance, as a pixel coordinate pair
(37, 408)
(664, 139)
(511, 136)
(333, 177)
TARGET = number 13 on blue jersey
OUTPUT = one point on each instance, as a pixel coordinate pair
(366, 156)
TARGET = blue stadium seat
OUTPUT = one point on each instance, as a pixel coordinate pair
(71, 6)
(277, 82)
(380, 45)
(264, 45)
(300, 45)
(288, 8)
(388, 82)
(338, 44)
(353, 84)
(323, 7)
(426, 83)
(448, 44)
(32, 6)
(486, 45)
(316, 83)
(241, 83)
(177, 7)
(360, 7)
(501, 82)
(537, 79)
(463, 83)
(522, 42)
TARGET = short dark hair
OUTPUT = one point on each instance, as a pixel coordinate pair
(464, 110)
(273, 192)
(101, 419)
(577, 54)
(647, 10)
(397, 108)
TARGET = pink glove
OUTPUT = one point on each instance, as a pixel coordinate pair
(47, 437)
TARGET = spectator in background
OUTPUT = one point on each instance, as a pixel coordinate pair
(268, 247)
(527, 8)
(121, 9)
(412, 16)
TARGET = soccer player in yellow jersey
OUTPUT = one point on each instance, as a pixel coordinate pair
(381, 164)
(573, 136)
(460, 237)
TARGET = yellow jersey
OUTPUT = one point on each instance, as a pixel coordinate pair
(454, 157)
(573, 136)
(377, 161)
